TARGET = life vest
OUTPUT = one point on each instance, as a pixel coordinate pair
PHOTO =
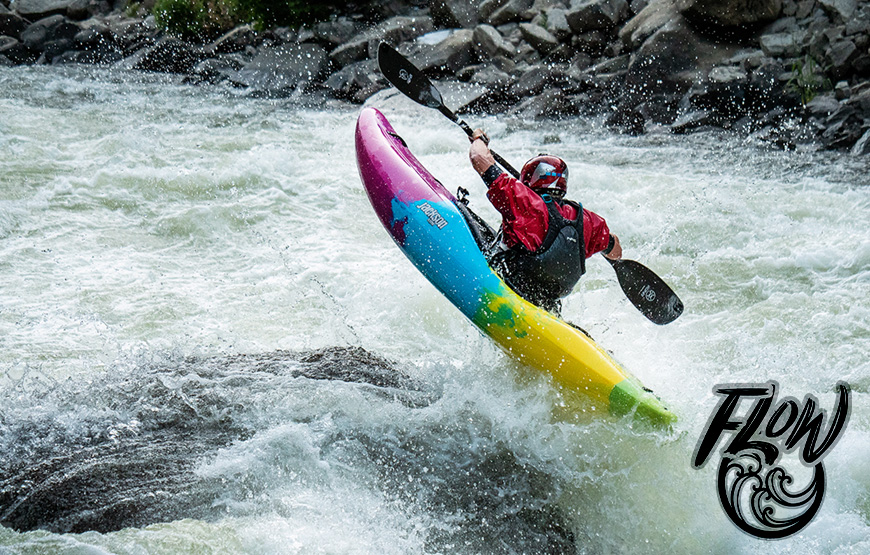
(554, 269)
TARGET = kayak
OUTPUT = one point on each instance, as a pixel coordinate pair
(430, 225)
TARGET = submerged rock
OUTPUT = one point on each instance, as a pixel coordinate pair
(124, 452)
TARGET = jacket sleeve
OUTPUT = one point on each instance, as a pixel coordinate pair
(596, 234)
(524, 213)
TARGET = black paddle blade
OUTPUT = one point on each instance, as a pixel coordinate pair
(647, 291)
(407, 78)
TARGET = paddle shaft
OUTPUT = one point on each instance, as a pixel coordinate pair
(470, 132)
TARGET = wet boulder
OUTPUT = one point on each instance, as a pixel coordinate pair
(455, 13)
(168, 55)
(862, 147)
(48, 30)
(16, 53)
(395, 30)
(786, 44)
(449, 55)
(37, 9)
(489, 42)
(841, 10)
(557, 23)
(673, 59)
(235, 40)
(510, 12)
(589, 15)
(541, 40)
(356, 81)
(650, 19)
(729, 14)
(336, 32)
(12, 24)
(279, 70)
(549, 103)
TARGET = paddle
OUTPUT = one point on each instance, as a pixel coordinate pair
(406, 77)
(646, 291)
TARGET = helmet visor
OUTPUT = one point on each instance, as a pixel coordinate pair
(546, 174)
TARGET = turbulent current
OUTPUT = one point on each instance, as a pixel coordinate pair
(209, 344)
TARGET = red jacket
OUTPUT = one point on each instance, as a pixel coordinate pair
(525, 218)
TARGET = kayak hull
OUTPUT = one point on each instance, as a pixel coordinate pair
(422, 217)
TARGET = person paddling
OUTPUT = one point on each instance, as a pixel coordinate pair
(546, 239)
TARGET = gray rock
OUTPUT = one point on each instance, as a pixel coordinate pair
(642, 26)
(12, 49)
(488, 7)
(531, 82)
(336, 32)
(729, 13)
(691, 121)
(449, 55)
(36, 9)
(511, 11)
(279, 70)
(395, 30)
(842, 8)
(235, 40)
(455, 13)
(12, 24)
(548, 104)
(52, 28)
(862, 147)
(839, 55)
(593, 43)
(823, 106)
(356, 81)
(612, 65)
(488, 42)
(350, 52)
(861, 102)
(130, 31)
(727, 74)
(168, 55)
(782, 45)
(557, 23)
(589, 15)
(540, 39)
(491, 77)
(674, 58)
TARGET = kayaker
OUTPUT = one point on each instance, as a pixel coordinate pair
(540, 256)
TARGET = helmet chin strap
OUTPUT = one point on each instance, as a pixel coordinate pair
(557, 194)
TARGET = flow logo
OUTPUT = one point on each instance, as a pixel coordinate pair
(405, 76)
(756, 492)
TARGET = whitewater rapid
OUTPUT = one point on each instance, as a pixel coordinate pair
(205, 329)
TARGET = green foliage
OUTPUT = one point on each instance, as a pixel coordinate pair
(291, 13)
(807, 79)
(201, 19)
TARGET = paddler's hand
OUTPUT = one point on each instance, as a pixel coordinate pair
(479, 154)
(479, 134)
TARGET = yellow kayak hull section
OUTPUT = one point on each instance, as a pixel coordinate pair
(576, 362)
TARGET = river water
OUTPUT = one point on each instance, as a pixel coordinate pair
(209, 344)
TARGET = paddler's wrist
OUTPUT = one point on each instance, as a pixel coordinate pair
(491, 174)
(610, 245)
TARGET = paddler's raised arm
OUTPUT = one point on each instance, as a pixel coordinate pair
(481, 158)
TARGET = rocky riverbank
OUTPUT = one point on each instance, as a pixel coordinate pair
(795, 73)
